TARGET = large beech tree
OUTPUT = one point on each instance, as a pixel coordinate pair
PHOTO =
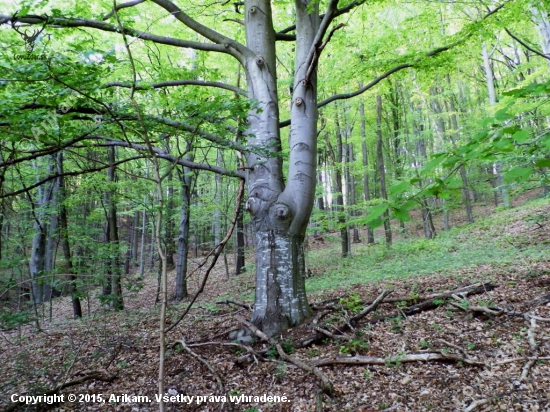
(280, 197)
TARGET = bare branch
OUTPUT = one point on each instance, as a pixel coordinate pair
(538, 53)
(163, 155)
(175, 83)
(94, 24)
(27, 189)
(232, 46)
(122, 6)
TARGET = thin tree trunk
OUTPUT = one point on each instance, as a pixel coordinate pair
(381, 168)
(112, 222)
(183, 233)
(366, 182)
(497, 167)
(64, 240)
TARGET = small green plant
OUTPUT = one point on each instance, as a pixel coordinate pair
(394, 361)
(354, 347)
(313, 352)
(287, 346)
(367, 375)
(424, 344)
(438, 302)
(352, 302)
(397, 324)
(252, 410)
(470, 346)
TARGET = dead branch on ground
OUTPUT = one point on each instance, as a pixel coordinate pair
(326, 384)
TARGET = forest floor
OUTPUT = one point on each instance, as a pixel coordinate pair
(419, 349)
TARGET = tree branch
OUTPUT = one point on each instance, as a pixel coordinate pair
(94, 24)
(163, 155)
(232, 46)
(545, 56)
(27, 189)
(174, 83)
(122, 6)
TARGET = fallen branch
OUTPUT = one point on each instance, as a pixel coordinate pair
(204, 362)
(477, 403)
(542, 300)
(231, 302)
(348, 325)
(372, 307)
(326, 384)
(388, 360)
(534, 350)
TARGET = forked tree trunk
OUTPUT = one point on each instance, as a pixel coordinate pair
(280, 214)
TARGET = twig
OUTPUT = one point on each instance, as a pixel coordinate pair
(330, 334)
(326, 384)
(477, 403)
(534, 350)
(204, 362)
(370, 308)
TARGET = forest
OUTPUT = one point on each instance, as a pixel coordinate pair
(308, 205)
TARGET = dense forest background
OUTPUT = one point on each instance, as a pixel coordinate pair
(125, 143)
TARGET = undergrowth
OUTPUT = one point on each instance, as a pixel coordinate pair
(483, 242)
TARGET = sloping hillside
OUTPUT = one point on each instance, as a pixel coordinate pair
(428, 345)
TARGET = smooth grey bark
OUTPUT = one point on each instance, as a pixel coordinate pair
(280, 213)
(420, 157)
(366, 182)
(540, 18)
(497, 167)
(338, 164)
(351, 190)
(240, 243)
(37, 261)
(168, 222)
(382, 168)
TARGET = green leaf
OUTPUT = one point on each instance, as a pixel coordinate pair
(542, 163)
(399, 188)
(401, 214)
(520, 136)
(376, 211)
(518, 174)
(502, 115)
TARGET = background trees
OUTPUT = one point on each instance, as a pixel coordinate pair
(118, 92)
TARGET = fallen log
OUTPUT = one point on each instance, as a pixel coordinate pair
(433, 303)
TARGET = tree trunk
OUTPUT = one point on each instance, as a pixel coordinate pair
(37, 261)
(239, 259)
(183, 234)
(64, 240)
(497, 167)
(381, 168)
(114, 283)
(280, 214)
(366, 182)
